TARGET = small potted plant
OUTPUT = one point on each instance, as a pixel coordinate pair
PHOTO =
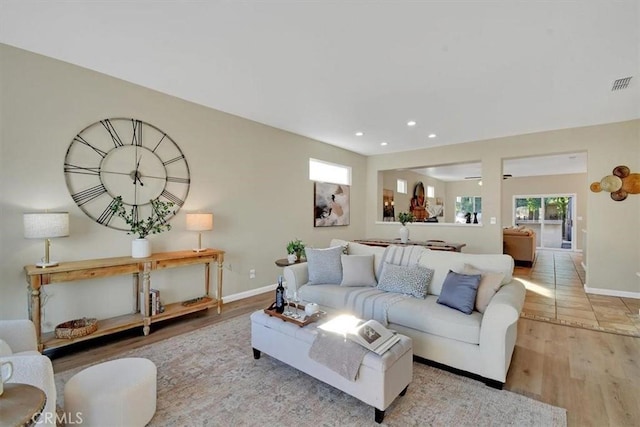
(404, 218)
(295, 250)
(154, 224)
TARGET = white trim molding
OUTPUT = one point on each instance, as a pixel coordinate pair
(611, 292)
(250, 293)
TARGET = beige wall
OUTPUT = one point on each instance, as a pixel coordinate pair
(254, 178)
(613, 245)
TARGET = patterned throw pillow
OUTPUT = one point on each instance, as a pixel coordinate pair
(357, 270)
(325, 267)
(411, 280)
(459, 291)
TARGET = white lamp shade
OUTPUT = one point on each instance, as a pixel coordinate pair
(44, 225)
(199, 221)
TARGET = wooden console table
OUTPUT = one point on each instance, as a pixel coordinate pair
(141, 269)
(436, 245)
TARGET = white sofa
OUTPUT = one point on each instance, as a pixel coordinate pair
(477, 344)
(29, 366)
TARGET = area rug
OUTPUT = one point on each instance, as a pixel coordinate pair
(209, 377)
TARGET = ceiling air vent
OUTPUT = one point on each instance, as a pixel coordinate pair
(621, 84)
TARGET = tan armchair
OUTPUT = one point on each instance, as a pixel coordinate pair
(520, 243)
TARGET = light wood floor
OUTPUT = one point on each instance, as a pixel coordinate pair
(594, 375)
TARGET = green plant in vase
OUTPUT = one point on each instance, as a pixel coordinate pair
(154, 224)
(405, 217)
(296, 247)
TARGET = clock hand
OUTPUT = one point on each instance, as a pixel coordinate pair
(136, 175)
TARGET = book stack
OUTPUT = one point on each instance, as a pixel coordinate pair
(155, 307)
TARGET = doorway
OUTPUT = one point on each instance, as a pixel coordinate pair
(551, 216)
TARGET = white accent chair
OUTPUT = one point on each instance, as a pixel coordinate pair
(29, 366)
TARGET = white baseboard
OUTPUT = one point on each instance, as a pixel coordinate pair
(584, 266)
(611, 292)
(252, 292)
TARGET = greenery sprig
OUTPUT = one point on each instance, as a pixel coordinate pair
(296, 247)
(155, 224)
(405, 217)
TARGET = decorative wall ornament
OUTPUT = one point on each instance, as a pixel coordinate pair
(620, 184)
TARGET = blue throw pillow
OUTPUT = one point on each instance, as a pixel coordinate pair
(325, 266)
(459, 291)
(411, 280)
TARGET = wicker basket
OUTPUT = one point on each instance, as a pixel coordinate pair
(76, 328)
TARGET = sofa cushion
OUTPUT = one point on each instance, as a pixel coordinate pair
(327, 296)
(324, 265)
(490, 283)
(459, 291)
(354, 248)
(427, 316)
(357, 270)
(442, 261)
(410, 280)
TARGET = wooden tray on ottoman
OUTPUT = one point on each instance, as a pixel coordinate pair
(271, 311)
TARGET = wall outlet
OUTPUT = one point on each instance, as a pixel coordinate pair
(252, 274)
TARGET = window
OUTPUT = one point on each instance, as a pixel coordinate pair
(329, 172)
(468, 209)
(401, 186)
(431, 191)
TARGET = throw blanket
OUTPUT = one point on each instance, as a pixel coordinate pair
(371, 303)
(337, 353)
(400, 255)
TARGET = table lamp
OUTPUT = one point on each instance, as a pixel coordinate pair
(199, 222)
(46, 225)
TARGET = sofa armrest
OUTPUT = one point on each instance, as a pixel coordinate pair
(36, 370)
(296, 275)
(498, 331)
(20, 334)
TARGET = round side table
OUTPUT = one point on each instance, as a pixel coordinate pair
(21, 405)
(283, 262)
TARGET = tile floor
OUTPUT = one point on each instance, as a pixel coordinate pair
(555, 293)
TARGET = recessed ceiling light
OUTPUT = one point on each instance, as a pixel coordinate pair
(411, 123)
(359, 133)
(432, 135)
(383, 143)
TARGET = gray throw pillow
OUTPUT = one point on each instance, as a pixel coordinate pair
(459, 291)
(411, 280)
(325, 267)
(357, 270)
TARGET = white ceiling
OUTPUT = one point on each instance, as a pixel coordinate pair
(464, 70)
(557, 164)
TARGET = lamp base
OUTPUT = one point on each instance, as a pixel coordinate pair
(199, 249)
(43, 264)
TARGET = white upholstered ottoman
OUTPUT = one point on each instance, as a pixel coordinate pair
(380, 378)
(119, 392)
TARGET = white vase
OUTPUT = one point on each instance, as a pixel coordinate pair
(292, 258)
(404, 234)
(140, 248)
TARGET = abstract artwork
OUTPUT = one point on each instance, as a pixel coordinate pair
(331, 204)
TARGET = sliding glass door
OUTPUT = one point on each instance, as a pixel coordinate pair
(551, 216)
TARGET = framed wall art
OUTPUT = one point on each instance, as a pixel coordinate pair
(331, 207)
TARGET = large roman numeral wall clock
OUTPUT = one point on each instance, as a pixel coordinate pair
(127, 158)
